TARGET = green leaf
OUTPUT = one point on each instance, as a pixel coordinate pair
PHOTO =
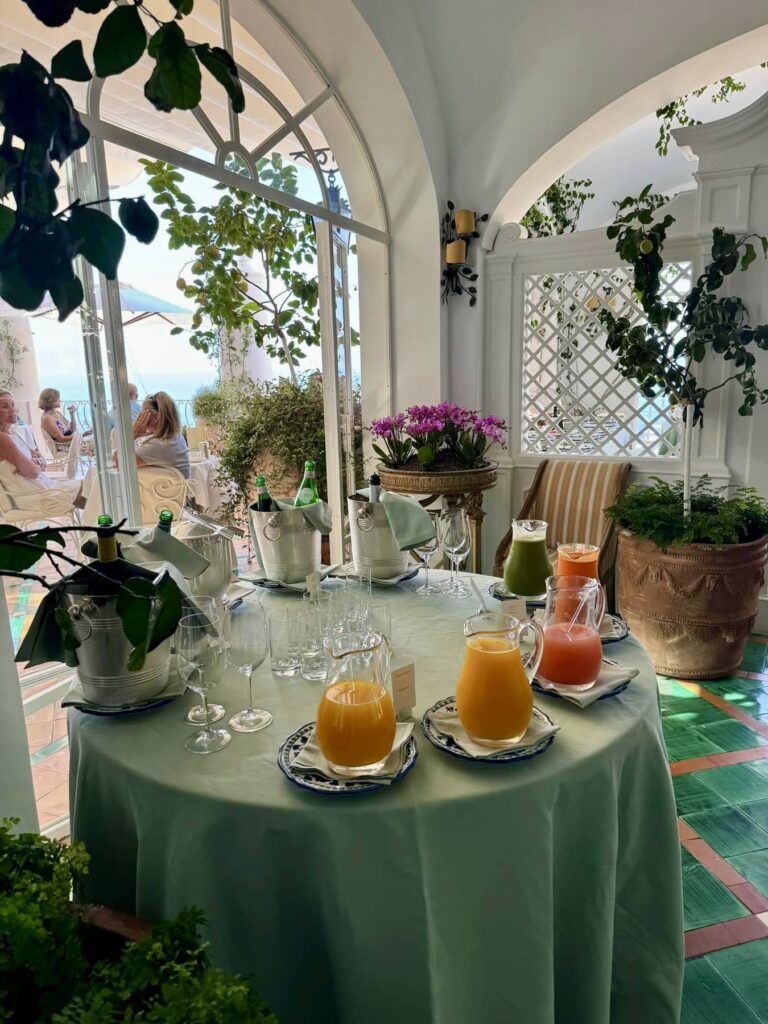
(69, 62)
(98, 238)
(175, 83)
(121, 41)
(749, 256)
(17, 290)
(7, 221)
(177, 330)
(220, 64)
(92, 6)
(183, 6)
(67, 295)
(138, 219)
(19, 552)
(69, 639)
(53, 13)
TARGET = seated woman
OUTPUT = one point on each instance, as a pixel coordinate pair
(157, 431)
(19, 459)
(53, 423)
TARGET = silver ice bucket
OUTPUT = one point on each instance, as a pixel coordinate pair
(373, 544)
(289, 548)
(104, 650)
(215, 544)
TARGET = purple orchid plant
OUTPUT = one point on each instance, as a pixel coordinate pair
(426, 431)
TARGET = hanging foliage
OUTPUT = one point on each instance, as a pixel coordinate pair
(41, 129)
(557, 211)
(676, 115)
(254, 268)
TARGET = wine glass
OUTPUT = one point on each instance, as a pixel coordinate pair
(456, 541)
(200, 658)
(425, 552)
(196, 715)
(246, 650)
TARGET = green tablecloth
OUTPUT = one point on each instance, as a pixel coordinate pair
(544, 892)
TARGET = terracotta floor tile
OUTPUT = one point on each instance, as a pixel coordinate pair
(693, 764)
(44, 781)
(59, 728)
(61, 713)
(685, 831)
(739, 756)
(706, 940)
(57, 800)
(746, 929)
(41, 715)
(44, 818)
(715, 864)
(59, 762)
(750, 897)
(39, 735)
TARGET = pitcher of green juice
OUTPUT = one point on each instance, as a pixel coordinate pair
(528, 567)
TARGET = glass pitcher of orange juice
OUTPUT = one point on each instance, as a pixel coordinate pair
(356, 716)
(578, 560)
(573, 652)
(494, 699)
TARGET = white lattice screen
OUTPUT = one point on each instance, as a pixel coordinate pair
(574, 401)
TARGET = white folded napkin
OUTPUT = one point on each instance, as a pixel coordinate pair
(411, 524)
(612, 676)
(259, 576)
(312, 759)
(448, 722)
(75, 699)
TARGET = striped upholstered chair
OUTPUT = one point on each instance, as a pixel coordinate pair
(570, 495)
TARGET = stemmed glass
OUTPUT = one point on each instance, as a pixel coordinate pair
(456, 540)
(246, 650)
(200, 658)
(425, 552)
(208, 609)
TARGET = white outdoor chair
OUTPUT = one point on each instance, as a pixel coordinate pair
(159, 487)
(26, 504)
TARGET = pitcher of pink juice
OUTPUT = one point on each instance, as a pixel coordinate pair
(572, 653)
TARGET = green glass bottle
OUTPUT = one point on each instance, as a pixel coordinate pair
(106, 541)
(165, 520)
(263, 499)
(307, 493)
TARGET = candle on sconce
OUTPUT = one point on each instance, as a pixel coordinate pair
(456, 252)
(464, 221)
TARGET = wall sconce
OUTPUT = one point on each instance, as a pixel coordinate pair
(457, 230)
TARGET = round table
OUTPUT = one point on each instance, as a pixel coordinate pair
(547, 891)
(203, 484)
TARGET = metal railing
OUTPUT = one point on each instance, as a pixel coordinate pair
(84, 412)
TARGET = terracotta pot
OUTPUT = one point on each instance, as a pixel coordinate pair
(438, 481)
(691, 607)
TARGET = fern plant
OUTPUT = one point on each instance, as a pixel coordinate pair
(657, 513)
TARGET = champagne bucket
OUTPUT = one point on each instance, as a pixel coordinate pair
(373, 543)
(103, 653)
(217, 547)
(289, 548)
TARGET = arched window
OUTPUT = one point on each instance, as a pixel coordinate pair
(291, 108)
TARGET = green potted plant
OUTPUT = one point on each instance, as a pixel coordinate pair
(688, 588)
(61, 963)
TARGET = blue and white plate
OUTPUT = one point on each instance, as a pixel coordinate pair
(498, 591)
(130, 709)
(393, 581)
(447, 743)
(316, 782)
(550, 692)
(298, 588)
(613, 629)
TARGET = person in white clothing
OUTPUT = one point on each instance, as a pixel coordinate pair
(19, 459)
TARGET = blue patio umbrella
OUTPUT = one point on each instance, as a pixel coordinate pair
(140, 305)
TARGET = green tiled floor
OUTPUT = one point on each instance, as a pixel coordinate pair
(746, 969)
(706, 900)
(728, 830)
(709, 999)
(754, 867)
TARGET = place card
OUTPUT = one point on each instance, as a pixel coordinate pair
(313, 584)
(515, 606)
(404, 690)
